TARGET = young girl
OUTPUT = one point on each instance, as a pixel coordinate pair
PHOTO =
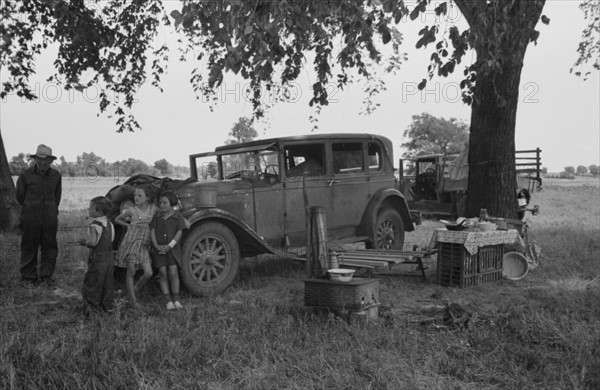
(134, 252)
(165, 233)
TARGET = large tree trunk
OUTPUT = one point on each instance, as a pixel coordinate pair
(10, 210)
(492, 176)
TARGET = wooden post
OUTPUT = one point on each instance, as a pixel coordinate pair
(308, 227)
(314, 253)
(319, 227)
(538, 166)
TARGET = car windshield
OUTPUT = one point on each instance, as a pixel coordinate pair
(246, 165)
(207, 168)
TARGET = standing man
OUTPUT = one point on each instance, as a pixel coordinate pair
(38, 191)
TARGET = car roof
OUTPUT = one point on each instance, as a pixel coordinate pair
(435, 156)
(307, 137)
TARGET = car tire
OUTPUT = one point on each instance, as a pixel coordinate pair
(210, 258)
(388, 232)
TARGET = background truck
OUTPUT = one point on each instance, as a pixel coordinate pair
(436, 184)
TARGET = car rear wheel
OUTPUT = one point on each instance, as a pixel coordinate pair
(210, 258)
(388, 232)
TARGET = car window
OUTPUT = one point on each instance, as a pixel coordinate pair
(426, 165)
(249, 165)
(269, 162)
(374, 159)
(207, 168)
(347, 157)
(305, 159)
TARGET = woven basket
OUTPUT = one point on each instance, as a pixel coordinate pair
(457, 267)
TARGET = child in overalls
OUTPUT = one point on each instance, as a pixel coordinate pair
(98, 283)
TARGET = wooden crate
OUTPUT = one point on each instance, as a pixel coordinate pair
(357, 294)
(458, 268)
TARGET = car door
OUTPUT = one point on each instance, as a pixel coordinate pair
(305, 169)
(349, 187)
(253, 190)
(268, 194)
(380, 175)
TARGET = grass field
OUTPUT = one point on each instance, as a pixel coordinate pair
(542, 332)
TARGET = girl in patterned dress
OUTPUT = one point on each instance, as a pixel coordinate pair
(134, 252)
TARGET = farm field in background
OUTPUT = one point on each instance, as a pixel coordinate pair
(577, 181)
(542, 332)
(78, 191)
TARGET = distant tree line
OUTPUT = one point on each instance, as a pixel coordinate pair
(92, 165)
(570, 172)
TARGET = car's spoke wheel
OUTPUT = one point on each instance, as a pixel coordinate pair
(210, 258)
(388, 232)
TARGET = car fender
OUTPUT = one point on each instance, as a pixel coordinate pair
(250, 243)
(386, 197)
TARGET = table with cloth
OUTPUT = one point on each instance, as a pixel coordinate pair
(468, 257)
(473, 240)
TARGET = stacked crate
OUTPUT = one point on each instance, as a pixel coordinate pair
(458, 268)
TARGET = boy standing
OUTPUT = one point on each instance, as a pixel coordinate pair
(99, 280)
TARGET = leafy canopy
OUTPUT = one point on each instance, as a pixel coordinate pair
(430, 135)
(163, 166)
(498, 31)
(115, 45)
(266, 42)
(242, 131)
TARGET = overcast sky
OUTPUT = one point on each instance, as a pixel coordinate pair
(558, 112)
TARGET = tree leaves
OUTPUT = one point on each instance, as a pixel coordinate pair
(545, 19)
(257, 40)
(534, 36)
(258, 34)
(177, 17)
(113, 42)
(388, 5)
(428, 134)
(386, 36)
(589, 47)
(428, 36)
(242, 131)
(420, 7)
(441, 9)
(497, 30)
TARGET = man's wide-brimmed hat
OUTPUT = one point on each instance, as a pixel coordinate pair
(43, 151)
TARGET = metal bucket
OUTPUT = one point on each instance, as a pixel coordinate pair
(332, 260)
(514, 266)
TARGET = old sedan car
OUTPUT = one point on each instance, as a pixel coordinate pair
(248, 199)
